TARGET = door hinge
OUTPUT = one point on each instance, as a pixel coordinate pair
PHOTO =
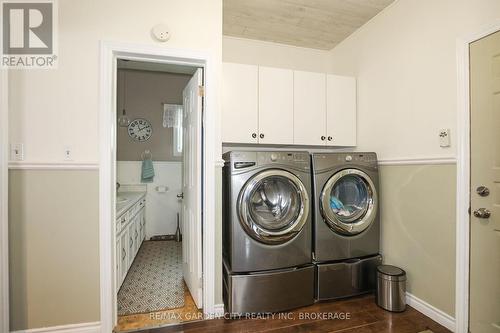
(201, 91)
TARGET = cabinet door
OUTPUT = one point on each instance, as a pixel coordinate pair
(143, 224)
(309, 114)
(275, 105)
(124, 239)
(135, 231)
(131, 244)
(341, 110)
(118, 264)
(239, 103)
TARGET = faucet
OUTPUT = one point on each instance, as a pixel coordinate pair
(117, 186)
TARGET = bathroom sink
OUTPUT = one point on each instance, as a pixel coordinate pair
(121, 199)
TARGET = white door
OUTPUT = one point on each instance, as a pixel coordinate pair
(239, 103)
(275, 105)
(309, 114)
(191, 187)
(485, 189)
(341, 110)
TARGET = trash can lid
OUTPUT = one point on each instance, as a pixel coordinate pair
(390, 270)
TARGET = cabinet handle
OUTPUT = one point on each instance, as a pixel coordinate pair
(124, 254)
(261, 135)
(136, 234)
(254, 135)
(323, 138)
(330, 138)
(131, 242)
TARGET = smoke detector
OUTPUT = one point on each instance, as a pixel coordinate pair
(161, 32)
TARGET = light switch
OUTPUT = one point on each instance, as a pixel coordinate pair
(17, 152)
(444, 137)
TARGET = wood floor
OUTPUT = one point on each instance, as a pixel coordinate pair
(355, 315)
(160, 318)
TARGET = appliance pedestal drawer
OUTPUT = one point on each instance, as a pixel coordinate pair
(268, 291)
(346, 278)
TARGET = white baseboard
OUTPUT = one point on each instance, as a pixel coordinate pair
(94, 327)
(218, 310)
(430, 311)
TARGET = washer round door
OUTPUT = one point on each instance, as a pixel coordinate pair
(348, 202)
(273, 206)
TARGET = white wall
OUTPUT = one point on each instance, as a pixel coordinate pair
(405, 63)
(254, 52)
(54, 108)
(161, 207)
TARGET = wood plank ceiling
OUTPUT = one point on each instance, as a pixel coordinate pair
(318, 24)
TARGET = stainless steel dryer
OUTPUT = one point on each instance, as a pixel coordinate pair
(267, 239)
(346, 223)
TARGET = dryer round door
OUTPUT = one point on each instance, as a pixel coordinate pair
(348, 202)
(273, 206)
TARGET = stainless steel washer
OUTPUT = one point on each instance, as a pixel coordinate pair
(346, 223)
(267, 240)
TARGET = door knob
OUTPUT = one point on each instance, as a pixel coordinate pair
(482, 213)
(483, 191)
(180, 195)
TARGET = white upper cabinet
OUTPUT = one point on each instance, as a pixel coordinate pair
(265, 105)
(341, 110)
(275, 105)
(239, 103)
(309, 99)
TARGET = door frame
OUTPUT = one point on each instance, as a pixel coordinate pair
(109, 52)
(4, 220)
(463, 175)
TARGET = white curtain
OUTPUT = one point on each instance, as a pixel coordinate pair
(172, 115)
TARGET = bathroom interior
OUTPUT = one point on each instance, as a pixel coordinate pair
(149, 174)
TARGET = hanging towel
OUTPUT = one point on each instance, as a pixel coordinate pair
(148, 171)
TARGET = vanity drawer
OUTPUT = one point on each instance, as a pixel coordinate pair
(121, 222)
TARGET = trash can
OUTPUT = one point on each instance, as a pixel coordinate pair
(391, 288)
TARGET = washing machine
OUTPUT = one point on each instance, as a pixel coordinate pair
(267, 231)
(346, 223)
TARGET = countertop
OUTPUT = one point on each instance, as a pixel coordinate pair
(133, 198)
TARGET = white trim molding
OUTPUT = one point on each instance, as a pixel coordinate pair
(4, 222)
(463, 175)
(52, 166)
(430, 311)
(109, 53)
(218, 310)
(418, 161)
(94, 327)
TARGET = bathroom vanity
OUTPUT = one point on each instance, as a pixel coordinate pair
(130, 227)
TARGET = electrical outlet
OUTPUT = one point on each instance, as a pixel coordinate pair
(17, 152)
(444, 137)
(68, 153)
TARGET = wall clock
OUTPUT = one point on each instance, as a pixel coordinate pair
(140, 129)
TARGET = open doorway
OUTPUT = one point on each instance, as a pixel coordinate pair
(158, 199)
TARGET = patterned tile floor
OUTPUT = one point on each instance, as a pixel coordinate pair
(143, 299)
(154, 281)
(142, 321)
